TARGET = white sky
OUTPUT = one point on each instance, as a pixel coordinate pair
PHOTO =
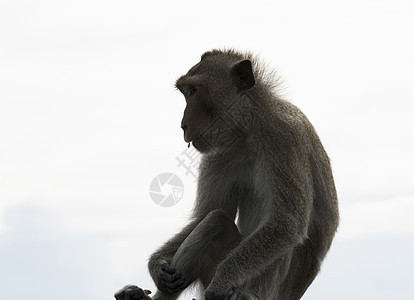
(89, 116)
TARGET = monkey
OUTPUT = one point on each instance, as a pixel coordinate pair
(266, 207)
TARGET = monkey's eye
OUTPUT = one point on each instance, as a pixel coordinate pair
(189, 90)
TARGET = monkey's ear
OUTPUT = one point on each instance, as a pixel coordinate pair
(242, 75)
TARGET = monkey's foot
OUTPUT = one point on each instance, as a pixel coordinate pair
(237, 294)
(132, 292)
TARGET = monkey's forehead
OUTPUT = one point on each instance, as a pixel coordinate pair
(212, 67)
(196, 79)
(203, 72)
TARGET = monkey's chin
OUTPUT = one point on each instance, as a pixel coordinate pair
(199, 145)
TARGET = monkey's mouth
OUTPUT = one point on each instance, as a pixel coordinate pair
(198, 142)
(195, 144)
(192, 142)
(189, 138)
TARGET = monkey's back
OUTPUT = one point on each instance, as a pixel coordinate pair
(302, 145)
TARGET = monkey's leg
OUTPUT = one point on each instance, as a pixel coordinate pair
(203, 250)
(303, 270)
(206, 247)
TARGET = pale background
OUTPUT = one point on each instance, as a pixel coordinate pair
(89, 116)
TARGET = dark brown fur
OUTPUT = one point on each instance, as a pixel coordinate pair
(263, 162)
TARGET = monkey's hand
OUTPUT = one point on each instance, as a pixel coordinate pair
(132, 292)
(167, 279)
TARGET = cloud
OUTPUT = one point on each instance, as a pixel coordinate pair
(367, 267)
(88, 117)
(38, 261)
(387, 217)
(370, 257)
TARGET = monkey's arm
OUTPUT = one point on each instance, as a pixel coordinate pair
(285, 227)
(168, 250)
(253, 255)
(164, 275)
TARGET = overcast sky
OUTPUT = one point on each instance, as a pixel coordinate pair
(89, 117)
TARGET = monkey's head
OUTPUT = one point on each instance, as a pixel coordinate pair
(212, 90)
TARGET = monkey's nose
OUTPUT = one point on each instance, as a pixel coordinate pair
(184, 127)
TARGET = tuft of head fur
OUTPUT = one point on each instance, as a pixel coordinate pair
(265, 77)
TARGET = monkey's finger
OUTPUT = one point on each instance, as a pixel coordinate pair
(234, 297)
(174, 286)
(229, 294)
(134, 293)
(170, 277)
(177, 284)
(120, 295)
(167, 268)
(232, 294)
(130, 292)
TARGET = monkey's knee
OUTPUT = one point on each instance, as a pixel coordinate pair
(219, 220)
(216, 229)
(206, 245)
(224, 232)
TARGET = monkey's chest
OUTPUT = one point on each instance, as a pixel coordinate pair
(250, 215)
